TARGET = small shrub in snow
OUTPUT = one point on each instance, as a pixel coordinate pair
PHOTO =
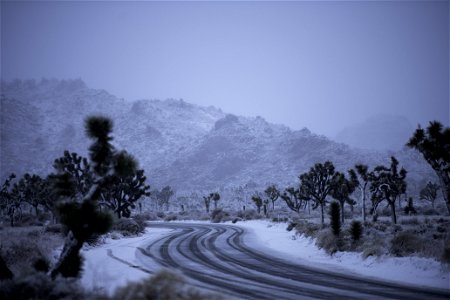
(291, 226)
(280, 219)
(235, 220)
(307, 229)
(160, 214)
(328, 241)
(147, 216)
(39, 286)
(171, 217)
(128, 227)
(372, 249)
(405, 243)
(163, 285)
(249, 214)
(218, 215)
(356, 230)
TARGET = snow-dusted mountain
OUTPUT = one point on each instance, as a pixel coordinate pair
(379, 132)
(184, 145)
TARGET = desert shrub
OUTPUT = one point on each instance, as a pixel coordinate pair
(141, 221)
(291, 226)
(429, 212)
(218, 215)
(171, 217)
(328, 241)
(235, 220)
(446, 255)
(163, 285)
(280, 219)
(405, 243)
(28, 220)
(147, 216)
(410, 221)
(21, 253)
(355, 230)
(39, 286)
(249, 214)
(335, 218)
(128, 226)
(372, 249)
(55, 228)
(307, 229)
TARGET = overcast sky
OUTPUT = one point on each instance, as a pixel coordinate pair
(324, 65)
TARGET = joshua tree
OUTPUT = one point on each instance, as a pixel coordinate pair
(272, 193)
(342, 189)
(434, 144)
(317, 184)
(258, 202)
(387, 184)
(123, 192)
(292, 198)
(429, 192)
(83, 219)
(215, 197)
(361, 178)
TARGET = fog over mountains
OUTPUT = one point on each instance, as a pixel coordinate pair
(186, 146)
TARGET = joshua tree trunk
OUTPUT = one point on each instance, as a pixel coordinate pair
(393, 215)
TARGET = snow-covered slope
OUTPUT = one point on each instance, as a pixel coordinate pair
(184, 145)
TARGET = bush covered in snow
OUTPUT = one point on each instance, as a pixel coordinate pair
(128, 226)
(163, 285)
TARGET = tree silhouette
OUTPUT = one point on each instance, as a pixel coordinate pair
(83, 219)
(258, 202)
(123, 192)
(273, 194)
(292, 198)
(429, 192)
(342, 189)
(317, 184)
(434, 144)
(361, 178)
(387, 184)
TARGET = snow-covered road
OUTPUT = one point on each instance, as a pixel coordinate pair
(216, 257)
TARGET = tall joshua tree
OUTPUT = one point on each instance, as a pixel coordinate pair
(273, 194)
(361, 179)
(387, 184)
(434, 144)
(317, 184)
(342, 189)
(83, 219)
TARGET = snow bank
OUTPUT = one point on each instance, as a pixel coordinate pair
(411, 270)
(104, 273)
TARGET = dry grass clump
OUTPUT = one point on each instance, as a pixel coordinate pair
(21, 247)
(163, 285)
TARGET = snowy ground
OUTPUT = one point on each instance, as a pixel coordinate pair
(103, 273)
(106, 274)
(412, 270)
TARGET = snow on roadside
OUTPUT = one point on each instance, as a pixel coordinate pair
(410, 270)
(103, 273)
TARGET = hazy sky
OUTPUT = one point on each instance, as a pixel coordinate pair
(324, 65)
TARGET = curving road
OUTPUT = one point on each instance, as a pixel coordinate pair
(216, 257)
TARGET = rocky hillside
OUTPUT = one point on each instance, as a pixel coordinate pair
(186, 146)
